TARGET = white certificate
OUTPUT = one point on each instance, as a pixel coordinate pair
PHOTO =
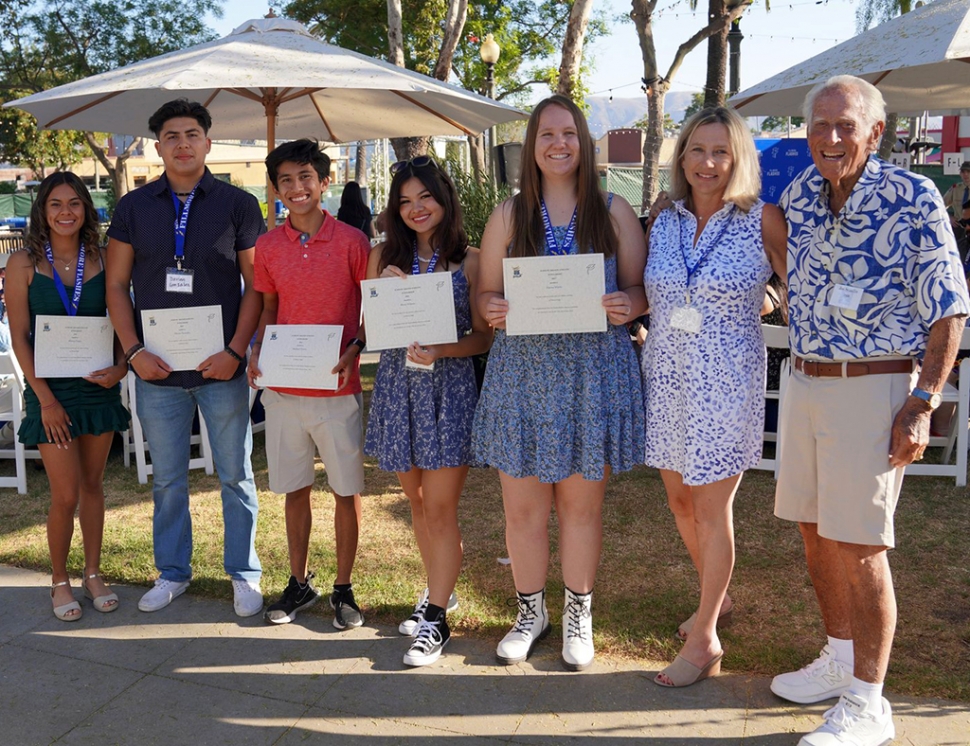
(183, 337)
(300, 356)
(72, 346)
(554, 294)
(418, 308)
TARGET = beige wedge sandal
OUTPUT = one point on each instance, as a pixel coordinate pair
(106, 603)
(64, 612)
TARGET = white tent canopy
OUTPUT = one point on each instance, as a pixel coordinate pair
(271, 79)
(920, 61)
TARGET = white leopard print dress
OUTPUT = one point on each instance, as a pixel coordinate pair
(704, 391)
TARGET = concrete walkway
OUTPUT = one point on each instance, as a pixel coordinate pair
(194, 673)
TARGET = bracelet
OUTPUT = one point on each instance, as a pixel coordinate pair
(256, 344)
(49, 406)
(135, 354)
(233, 354)
(132, 351)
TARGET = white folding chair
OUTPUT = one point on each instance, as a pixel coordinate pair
(13, 381)
(957, 437)
(776, 337)
(140, 446)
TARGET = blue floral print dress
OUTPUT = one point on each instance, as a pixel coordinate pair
(424, 418)
(557, 405)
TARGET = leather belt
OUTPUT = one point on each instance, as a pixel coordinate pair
(849, 369)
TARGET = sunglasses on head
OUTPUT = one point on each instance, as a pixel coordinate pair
(419, 161)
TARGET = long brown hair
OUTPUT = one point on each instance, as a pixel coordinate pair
(39, 232)
(449, 237)
(594, 226)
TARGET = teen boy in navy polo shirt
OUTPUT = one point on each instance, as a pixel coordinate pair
(179, 242)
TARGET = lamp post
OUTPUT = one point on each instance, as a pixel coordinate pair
(490, 52)
(734, 38)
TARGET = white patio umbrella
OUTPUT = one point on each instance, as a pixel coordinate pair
(271, 79)
(920, 61)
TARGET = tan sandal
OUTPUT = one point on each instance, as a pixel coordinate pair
(62, 611)
(105, 603)
(682, 672)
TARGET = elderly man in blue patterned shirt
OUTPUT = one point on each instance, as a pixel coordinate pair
(877, 307)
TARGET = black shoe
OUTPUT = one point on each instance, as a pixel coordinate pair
(295, 598)
(346, 611)
(429, 641)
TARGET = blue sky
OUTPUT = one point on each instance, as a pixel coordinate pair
(791, 32)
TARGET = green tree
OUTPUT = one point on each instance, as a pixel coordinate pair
(528, 32)
(671, 128)
(22, 143)
(776, 124)
(50, 42)
(695, 105)
(656, 84)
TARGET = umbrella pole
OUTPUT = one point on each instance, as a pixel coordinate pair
(270, 144)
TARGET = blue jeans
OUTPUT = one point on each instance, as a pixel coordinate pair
(166, 414)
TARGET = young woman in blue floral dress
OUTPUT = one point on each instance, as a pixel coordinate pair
(559, 412)
(420, 419)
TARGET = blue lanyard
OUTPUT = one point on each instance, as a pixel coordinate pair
(181, 222)
(416, 268)
(70, 307)
(552, 245)
(691, 271)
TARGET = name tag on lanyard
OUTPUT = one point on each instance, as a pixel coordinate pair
(178, 279)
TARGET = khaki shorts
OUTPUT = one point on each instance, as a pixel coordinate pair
(835, 472)
(294, 424)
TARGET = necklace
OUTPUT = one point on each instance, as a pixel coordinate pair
(67, 264)
(182, 194)
(423, 260)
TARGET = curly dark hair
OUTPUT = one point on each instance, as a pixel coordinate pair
(38, 231)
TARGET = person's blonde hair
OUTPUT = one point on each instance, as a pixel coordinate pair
(744, 185)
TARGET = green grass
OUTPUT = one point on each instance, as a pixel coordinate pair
(646, 584)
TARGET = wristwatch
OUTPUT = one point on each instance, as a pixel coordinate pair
(358, 343)
(934, 400)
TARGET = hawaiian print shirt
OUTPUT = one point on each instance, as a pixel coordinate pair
(891, 241)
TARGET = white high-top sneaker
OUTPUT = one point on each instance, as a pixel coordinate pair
(531, 625)
(577, 631)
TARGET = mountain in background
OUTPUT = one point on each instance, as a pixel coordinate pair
(607, 115)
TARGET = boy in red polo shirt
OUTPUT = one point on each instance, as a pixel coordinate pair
(309, 271)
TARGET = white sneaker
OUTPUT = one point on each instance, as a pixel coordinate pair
(822, 679)
(409, 627)
(577, 631)
(531, 625)
(429, 642)
(164, 592)
(848, 724)
(247, 599)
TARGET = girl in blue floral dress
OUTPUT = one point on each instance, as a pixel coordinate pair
(420, 419)
(558, 413)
